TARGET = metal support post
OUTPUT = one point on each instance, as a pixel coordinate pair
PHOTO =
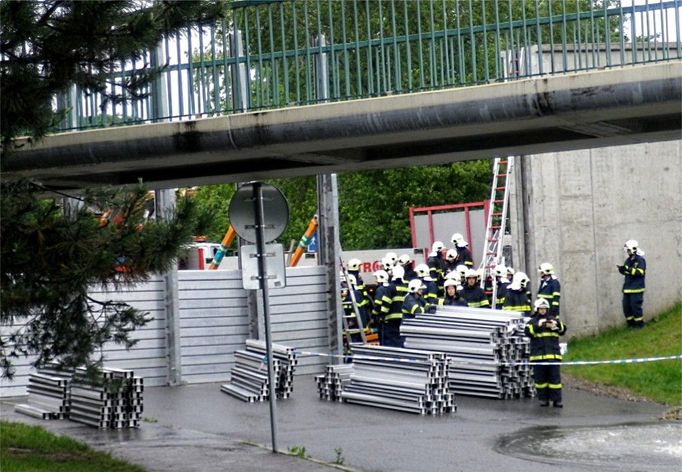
(159, 106)
(240, 83)
(321, 70)
(165, 203)
(262, 271)
(329, 253)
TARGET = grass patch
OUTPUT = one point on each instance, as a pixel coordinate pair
(659, 381)
(26, 448)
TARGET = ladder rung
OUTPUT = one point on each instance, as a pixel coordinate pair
(499, 188)
(498, 201)
(500, 175)
(495, 227)
(497, 213)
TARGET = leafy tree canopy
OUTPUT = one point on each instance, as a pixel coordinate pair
(49, 45)
(50, 258)
(373, 206)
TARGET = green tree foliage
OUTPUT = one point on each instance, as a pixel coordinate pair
(49, 45)
(373, 206)
(51, 258)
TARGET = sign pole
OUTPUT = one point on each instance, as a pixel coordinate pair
(262, 276)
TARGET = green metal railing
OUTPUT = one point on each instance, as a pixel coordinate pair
(274, 54)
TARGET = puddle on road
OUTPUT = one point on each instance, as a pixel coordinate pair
(627, 447)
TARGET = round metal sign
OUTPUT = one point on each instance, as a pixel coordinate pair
(243, 212)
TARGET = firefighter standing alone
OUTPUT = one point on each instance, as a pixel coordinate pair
(634, 270)
(544, 330)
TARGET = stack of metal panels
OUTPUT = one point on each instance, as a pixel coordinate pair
(399, 379)
(48, 394)
(249, 376)
(112, 401)
(487, 349)
(331, 383)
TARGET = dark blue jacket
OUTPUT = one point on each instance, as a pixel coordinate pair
(550, 290)
(517, 300)
(464, 257)
(475, 297)
(634, 270)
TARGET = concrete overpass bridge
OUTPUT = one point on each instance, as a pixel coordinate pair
(342, 94)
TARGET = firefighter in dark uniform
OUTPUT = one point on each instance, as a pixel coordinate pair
(550, 288)
(414, 303)
(450, 263)
(349, 311)
(451, 297)
(382, 300)
(397, 292)
(406, 261)
(516, 298)
(634, 270)
(502, 282)
(431, 292)
(435, 263)
(544, 330)
(463, 253)
(473, 293)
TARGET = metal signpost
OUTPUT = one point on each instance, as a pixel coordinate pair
(248, 215)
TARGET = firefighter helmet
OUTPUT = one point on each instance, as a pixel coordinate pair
(546, 268)
(437, 246)
(462, 270)
(500, 271)
(520, 280)
(387, 264)
(404, 259)
(354, 264)
(415, 285)
(541, 303)
(631, 246)
(422, 270)
(451, 283)
(451, 255)
(351, 280)
(398, 273)
(392, 257)
(458, 240)
(471, 273)
(381, 276)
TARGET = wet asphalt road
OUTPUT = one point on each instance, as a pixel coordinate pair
(197, 427)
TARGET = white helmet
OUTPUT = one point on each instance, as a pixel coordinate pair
(392, 257)
(541, 303)
(458, 240)
(451, 283)
(451, 255)
(398, 273)
(415, 285)
(510, 271)
(546, 268)
(452, 275)
(520, 280)
(422, 270)
(404, 259)
(631, 246)
(354, 264)
(471, 273)
(500, 271)
(387, 264)
(351, 280)
(381, 276)
(437, 246)
(462, 270)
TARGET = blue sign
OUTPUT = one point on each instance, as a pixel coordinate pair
(312, 245)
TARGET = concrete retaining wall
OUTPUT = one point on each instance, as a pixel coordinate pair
(579, 209)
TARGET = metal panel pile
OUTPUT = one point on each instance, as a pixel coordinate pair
(48, 394)
(112, 401)
(487, 349)
(399, 379)
(249, 376)
(331, 383)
